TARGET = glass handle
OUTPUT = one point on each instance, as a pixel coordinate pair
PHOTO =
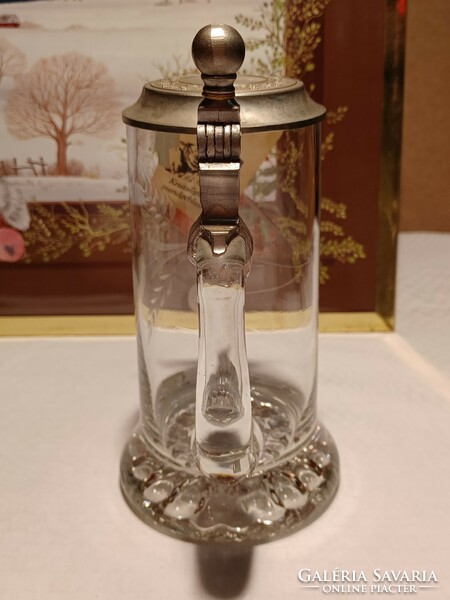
(223, 428)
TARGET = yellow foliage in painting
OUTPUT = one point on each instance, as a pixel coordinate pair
(52, 234)
(46, 239)
(289, 33)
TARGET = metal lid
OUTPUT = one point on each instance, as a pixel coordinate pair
(266, 103)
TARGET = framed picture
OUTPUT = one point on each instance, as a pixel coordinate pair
(66, 73)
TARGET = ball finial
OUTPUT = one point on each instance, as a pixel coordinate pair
(218, 50)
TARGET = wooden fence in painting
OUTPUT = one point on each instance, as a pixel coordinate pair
(32, 167)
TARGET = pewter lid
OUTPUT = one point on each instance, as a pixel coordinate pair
(266, 103)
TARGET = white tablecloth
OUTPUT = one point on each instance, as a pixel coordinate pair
(67, 406)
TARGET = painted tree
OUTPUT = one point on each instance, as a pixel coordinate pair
(12, 60)
(59, 97)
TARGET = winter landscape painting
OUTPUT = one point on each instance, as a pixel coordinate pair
(69, 67)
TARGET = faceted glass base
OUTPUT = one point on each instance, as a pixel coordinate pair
(274, 501)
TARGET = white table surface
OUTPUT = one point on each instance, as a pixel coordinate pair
(67, 406)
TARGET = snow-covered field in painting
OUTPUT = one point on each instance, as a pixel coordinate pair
(71, 189)
(130, 37)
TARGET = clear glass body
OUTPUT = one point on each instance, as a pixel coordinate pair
(254, 370)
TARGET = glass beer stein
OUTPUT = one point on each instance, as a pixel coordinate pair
(224, 194)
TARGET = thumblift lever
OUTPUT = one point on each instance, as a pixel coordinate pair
(220, 246)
